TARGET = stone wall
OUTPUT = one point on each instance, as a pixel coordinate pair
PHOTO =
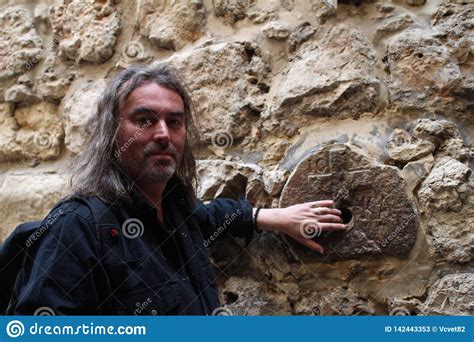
(370, 103)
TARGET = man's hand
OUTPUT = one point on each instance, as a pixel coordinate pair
(302, 222)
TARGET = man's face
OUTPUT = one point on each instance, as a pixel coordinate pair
(151, 134)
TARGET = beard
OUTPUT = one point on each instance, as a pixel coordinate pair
(159, 170)
(150, 165)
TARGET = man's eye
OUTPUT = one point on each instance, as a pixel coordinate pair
(143, 120)
(175, 122)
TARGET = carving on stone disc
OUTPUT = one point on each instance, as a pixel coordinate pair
(381, 217)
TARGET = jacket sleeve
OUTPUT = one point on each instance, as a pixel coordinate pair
(225, 216)
(61, 272)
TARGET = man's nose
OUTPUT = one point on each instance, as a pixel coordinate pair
(160, 132)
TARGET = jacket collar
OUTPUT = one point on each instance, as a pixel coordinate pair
(174, 194)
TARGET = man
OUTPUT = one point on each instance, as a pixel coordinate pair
(131, 237)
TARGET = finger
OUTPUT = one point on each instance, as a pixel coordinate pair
(324, 203)
(325, 210)
(332, 226)
(332, 211)
(313, 245)
(329, 218)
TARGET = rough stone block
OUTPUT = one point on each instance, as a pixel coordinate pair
(381, 218)
(28, 197)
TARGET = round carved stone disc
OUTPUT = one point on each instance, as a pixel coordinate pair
(380, 215)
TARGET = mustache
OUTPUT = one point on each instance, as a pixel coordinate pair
(154, 148)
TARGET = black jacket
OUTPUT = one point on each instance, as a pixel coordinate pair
(130, 264)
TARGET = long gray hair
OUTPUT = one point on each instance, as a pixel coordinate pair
(96, 171)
